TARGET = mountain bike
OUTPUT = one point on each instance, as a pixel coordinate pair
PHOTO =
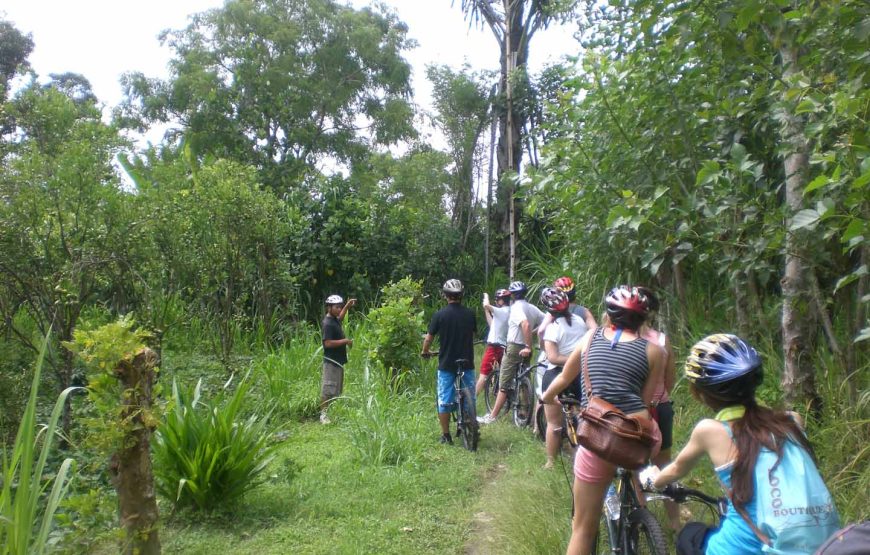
(490, 390)
(627, 527)
(521, 399)
(464, 412)
(695, 505)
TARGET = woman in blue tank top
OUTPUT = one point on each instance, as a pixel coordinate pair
(723, 372)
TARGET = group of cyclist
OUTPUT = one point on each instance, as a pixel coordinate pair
(631, 365)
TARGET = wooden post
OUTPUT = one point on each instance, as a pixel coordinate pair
(130, 467)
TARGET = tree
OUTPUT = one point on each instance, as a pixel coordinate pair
(281, 85)
(15, 48)
(513, 23)
(63, 218)
(462, 102)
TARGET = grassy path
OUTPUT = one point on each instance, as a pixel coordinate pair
(319, 499)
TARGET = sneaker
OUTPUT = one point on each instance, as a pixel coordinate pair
(446, 439)
(485, 419)
(324, 419)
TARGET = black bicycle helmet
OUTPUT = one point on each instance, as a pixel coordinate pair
(626, 306)
(725, 367)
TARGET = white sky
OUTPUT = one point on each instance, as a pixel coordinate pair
(102, 39)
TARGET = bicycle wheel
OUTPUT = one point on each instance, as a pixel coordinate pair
(525, 398)
(541, 422)
(470, 430)
(490, 392)
(602, 543)
(645, 534)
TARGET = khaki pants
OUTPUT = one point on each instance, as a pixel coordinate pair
(333, 381)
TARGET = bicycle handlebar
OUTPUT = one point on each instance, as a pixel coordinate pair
(680, 494)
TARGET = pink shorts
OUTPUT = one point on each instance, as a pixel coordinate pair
(491, 355)
(590, 468)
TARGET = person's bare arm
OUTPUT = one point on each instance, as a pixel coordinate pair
(670, 367)
(333, 343)
(590, 320)
(569, 371)
(553, 356)
(688, 456)
(527, 338)
(657, 359)
(427, 342)
(345, 308)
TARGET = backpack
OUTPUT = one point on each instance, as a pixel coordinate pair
(795, 512)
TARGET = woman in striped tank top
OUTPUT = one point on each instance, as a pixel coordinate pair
(624, 369)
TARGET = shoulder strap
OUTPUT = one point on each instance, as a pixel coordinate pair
(586, 381)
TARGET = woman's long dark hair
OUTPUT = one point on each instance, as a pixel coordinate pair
(758, 427)
(567, 314)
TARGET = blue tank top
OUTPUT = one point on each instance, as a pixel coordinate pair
(733, 535)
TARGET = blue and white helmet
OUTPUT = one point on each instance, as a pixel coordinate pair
(724, 366)
(334, 299)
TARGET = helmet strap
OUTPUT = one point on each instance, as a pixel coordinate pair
(616, 337)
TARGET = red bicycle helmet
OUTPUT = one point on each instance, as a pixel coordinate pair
(502, 294)
(566, 285)
(555, 300)
(627, 307)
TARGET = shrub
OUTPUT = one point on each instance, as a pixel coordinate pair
(396, 326)
(207, 455)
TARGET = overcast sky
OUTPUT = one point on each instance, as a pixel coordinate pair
(102, 39)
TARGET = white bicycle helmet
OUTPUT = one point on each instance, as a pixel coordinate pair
(334, 299)
(452, 286)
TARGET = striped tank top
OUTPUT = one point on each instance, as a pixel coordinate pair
(617, 372)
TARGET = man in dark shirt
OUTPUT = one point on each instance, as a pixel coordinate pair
(335, 346)
(455, 325)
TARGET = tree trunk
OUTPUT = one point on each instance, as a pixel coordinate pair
(130, 467)
(798, 316)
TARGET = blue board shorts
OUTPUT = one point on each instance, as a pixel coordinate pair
(447, 388)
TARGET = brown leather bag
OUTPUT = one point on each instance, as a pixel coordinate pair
(625, 441)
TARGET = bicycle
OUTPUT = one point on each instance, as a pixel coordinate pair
(465, 413)
(521, 399)
(695, 505)
(627, 526)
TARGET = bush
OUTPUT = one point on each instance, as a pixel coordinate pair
(206, 455)
(396, 326)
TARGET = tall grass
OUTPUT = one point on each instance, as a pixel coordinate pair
(389, 425)
(290, 376)
(25, 517)
(207, 454)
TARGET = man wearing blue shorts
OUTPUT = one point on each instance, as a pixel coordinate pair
(455, 326)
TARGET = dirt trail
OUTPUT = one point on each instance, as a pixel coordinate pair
(481, 540)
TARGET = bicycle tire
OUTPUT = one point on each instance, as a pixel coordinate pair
(490, 391)
(470, 431)
(602, 541)
(525, 397)
(645, 535)
(541, 422)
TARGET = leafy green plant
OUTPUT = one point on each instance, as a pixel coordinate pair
(207, 455)
(396, 326)
(25, 517)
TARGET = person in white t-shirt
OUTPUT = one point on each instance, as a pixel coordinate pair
(497, 318)
(560, 339)
(523, 322)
